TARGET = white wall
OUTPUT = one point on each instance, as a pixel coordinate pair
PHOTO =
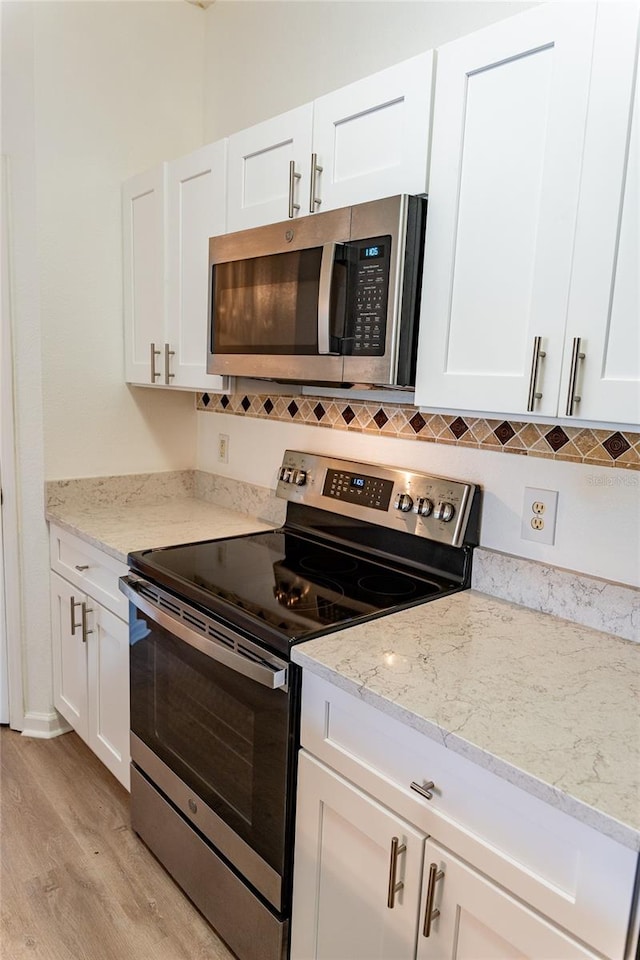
(118, 87)
(266, 57)
(91, 93)
(598, 527)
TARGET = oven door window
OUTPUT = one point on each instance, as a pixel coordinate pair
(224, 735)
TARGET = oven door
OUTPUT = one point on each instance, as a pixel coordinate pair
(213, 727)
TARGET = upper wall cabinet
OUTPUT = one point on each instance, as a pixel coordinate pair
(268, 167)
(169, 214)
(367, 140)
(371, 139)
(511, 106)
(604, 307)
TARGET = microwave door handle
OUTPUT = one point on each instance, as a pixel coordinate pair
(324, 297)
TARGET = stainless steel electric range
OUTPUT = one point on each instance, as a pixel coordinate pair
(214, 695)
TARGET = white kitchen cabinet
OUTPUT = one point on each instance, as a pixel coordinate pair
(143, 200)
(90, 640)
(604, 305)
(269, 166)
(371, 138)
(169, 214)
(442, 908)
(367, 140)
(344, 870)
(508, 134)
(520, 878)
(470, 918)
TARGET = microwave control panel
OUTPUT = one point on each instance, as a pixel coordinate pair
(367, 322)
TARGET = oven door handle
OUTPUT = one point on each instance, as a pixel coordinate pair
(275, 677)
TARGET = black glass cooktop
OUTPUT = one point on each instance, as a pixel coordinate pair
(284, 585)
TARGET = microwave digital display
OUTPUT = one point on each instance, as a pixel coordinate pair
(367, 253)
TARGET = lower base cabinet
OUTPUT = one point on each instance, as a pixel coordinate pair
(91, 655)
(370, 886)
(405, 850)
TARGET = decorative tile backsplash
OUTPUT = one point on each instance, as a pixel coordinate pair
(604, 448)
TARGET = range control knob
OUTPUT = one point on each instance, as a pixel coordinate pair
(423, 506)
(292, 475)
(403, 502)
(444, 511)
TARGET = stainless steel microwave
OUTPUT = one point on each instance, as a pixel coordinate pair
(331, 298)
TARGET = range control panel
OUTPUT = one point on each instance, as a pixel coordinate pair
(417, 503)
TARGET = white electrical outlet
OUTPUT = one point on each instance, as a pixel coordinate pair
(539, 512)
(223, 448)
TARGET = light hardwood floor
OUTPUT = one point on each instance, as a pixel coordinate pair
(76, 883)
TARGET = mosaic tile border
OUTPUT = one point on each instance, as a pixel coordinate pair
(604, 448)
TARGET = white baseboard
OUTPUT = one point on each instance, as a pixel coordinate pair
(44, 725)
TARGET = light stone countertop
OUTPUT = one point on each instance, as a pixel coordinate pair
(547, 704)
(138, 525)
(550, 705)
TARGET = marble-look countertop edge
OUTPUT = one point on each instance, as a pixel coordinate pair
(602, 822)
(86, 537)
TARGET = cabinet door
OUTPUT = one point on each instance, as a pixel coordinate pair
(509, 117)
(604, 307)
(371, 138)
(108, 686)
(479, 921)
(259, 170)
(342, 873)
(196, 187)
(69, 655)
(143, 266)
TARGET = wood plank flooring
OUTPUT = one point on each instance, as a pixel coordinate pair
(75, 882)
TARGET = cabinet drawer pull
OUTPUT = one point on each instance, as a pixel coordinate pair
(315, 170)
(293, 176)
(168, 352)
(430, 913)
(85, 631)
(73, 603)
(394, 886)
(81, 567)
(536, 357)
(154, 373)
(572, 397)
(424, 789)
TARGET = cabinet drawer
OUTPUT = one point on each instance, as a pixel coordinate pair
(571, 873)
(94, 572)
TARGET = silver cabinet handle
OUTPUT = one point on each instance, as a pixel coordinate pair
(394, 885)
(536, 357)
(423, 789)
(85, 631)
(430, 913)
(315, 170)
(572, 397)
(154, 373)
(81, 567)
(73, 603)
(293, 176)
(168, 352)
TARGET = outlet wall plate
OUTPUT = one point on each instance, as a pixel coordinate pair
(539, 514)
